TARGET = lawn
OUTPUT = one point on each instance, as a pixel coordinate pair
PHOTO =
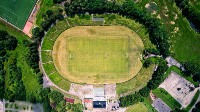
(167, 98)
(139, 107)
(16, 11)
(136, 83)
(28, 76)
(101, 54)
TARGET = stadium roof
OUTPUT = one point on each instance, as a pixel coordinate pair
(99, 91)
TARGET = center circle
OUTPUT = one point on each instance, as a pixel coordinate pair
(98, 54)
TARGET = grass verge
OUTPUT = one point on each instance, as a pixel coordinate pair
(139, 107)
(167, 98)
(136, 83)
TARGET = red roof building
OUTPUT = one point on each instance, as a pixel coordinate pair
(88, 100)
(69, 100)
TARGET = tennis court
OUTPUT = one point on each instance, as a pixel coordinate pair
(16, 12)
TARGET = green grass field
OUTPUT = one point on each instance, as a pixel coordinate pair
(16, 11)
(101, 54)
(139, 107)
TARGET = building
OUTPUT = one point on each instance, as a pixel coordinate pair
(99, 100)
(99, 104)
(69, 100)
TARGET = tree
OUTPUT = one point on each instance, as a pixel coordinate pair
(45, 25)
(10, 43)
(147, 63)
(3, 34)
(56, 96)
(49, 13)
(57, 1)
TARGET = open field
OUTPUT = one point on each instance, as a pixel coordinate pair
(183, 39)
(137, 82)
(139, 107)
(16, 11)
(101, 54)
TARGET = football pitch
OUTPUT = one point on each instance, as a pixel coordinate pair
(16, 12)
(98, 54)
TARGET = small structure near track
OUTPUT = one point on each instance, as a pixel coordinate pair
(98, 20)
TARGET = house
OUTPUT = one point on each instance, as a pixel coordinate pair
(69, 100)
(99, 100)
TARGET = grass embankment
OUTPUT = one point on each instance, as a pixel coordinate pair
(148, 103)
(28, 75)
(137, 82)
(114, 20)
(47, 60)
(100, 54)
(167, 98)
(139, 107)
